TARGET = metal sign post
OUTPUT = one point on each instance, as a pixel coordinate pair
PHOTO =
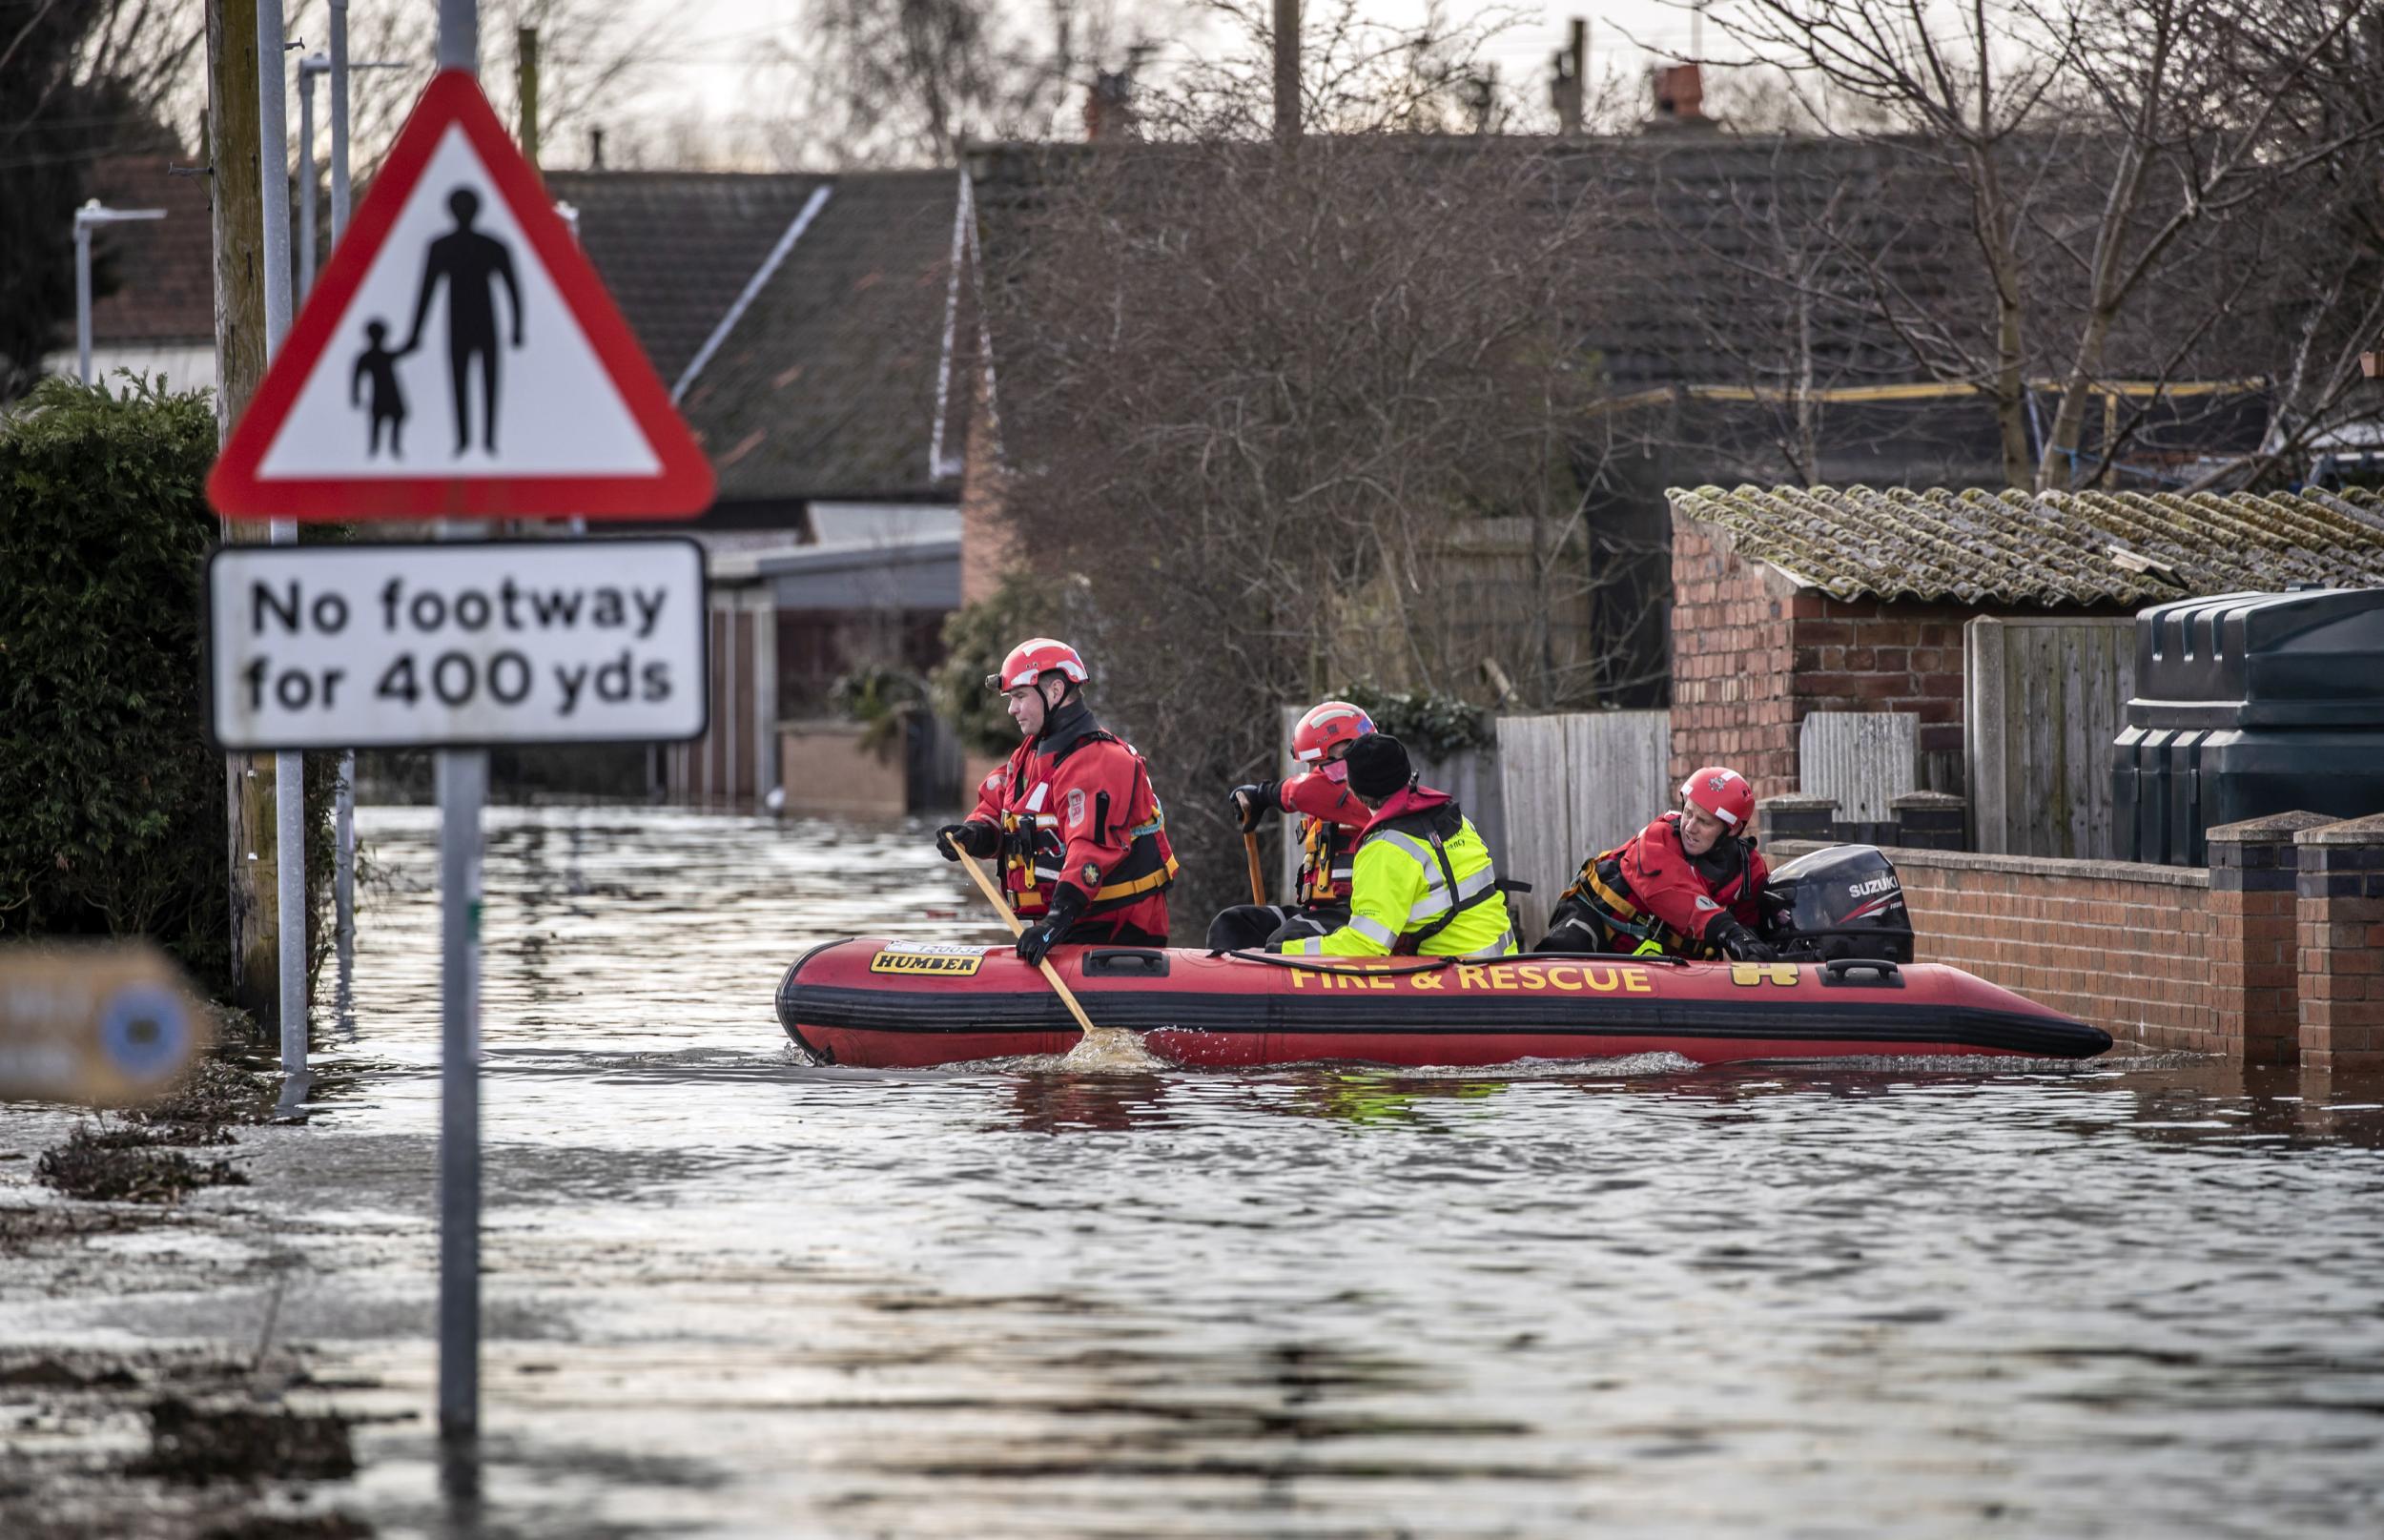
(460, 300)
(455, 646)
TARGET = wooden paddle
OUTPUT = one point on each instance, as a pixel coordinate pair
(1103, 1036)
(1258, 878)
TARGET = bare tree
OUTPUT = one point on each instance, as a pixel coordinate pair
(908, 81)
(1319, 411)
(2116, 157)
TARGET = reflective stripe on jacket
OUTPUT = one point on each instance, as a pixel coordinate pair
(1424, 885)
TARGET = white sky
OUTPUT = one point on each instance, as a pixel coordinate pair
(705, 67)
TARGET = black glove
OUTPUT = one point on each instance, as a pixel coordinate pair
(980, 840)
(1067, 902)
(1254, 800)
(1738, 942)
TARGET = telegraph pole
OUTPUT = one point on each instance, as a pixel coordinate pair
(237, 185)
(1286, 71)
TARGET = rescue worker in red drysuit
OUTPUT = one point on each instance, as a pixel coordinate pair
(1686, 885)
(1331, 817)
(1081, 837)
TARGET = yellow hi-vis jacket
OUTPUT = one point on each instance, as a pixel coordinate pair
(1400, 891)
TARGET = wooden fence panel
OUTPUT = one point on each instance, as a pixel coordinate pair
(1864, 759)
(1574, 785)
(2044, 699)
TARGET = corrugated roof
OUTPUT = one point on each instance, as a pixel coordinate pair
(2058, 549)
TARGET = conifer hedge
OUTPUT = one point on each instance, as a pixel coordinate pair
(111, 803)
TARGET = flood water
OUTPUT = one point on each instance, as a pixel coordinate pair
(730, 1293)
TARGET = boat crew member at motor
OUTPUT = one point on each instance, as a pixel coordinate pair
(1081, 836)
(1330, 817)
(1423, 882)
(1686, 885)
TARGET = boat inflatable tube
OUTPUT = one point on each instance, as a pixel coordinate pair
(896, 1004)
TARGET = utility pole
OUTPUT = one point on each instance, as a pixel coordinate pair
(1286, 73)
(525, 86)
(237, 185)
(1570, 90)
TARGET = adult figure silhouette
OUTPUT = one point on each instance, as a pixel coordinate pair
(469, 263)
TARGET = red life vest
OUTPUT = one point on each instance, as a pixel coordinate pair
(1652, 889)
(1332, 820)
(1075, 805)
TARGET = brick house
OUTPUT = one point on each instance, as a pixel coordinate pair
(1792, 601)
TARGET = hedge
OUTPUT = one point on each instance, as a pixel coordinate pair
(114, 820)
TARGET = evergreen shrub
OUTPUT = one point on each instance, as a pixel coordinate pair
(114, 821)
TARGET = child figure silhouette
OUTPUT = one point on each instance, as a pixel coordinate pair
(377, 367)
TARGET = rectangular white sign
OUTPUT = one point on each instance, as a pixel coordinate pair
(456, 645)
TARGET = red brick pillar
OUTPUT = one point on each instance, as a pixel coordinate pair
(2341, 911)
(2255, 978)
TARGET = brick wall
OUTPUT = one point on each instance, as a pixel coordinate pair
(1872, 655)
(2122, 946)
(1731, 673)
(2341, 919)
(2273, 955)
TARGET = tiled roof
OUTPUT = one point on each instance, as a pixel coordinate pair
(676, 247)
(162, 270)
(826, 386)
(2052, 548)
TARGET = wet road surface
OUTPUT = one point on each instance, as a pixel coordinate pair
(732, 1293)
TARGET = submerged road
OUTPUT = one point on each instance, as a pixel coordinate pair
(732, 1293)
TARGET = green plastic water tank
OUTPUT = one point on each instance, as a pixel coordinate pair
(2247, 705)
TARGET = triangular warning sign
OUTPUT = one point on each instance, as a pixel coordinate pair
(459, 359)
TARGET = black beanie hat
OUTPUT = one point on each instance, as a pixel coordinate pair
(1378, 766)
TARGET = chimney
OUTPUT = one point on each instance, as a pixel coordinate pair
(1109, 108)
(1679, 94)
(595, 150)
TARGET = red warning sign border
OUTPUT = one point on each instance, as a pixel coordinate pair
(680, 488)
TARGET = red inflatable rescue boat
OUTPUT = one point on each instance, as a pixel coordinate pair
(905, 1004)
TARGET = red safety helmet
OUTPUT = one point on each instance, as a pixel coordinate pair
(1723, 792)
(1325, 725)
(1034, 657)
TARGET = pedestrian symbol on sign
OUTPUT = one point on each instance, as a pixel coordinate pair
(551, 407)
(468, 263)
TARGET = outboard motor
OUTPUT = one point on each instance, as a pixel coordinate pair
(1845, 901)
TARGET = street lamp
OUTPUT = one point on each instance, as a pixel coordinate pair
(86, 217)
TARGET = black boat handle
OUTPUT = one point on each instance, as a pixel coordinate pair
(1122, 962)
(1837, 968)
